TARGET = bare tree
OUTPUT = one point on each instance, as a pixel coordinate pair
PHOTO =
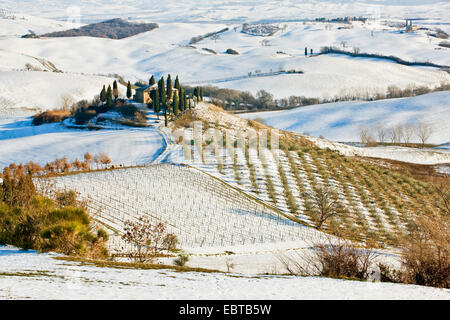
(148, 239)
(424, 132)
(381, 132)
(408, 132)
(229, 263)
(391, 133)
(264, 42)
(215, 37)
(365, 135)
(104, 159)
(398, 133)
(325, 204)
(67, 101)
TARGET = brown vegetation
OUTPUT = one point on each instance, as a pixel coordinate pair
(50, 116)
(112, 29)
(148, 239)
(31, 221)
(336, 258)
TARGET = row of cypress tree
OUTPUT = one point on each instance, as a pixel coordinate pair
(169, 101)
(164, 99)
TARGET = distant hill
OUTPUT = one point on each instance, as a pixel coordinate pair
(112, 29)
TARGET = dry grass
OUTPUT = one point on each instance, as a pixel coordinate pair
(425, 254)
(50, 116)
(337, 259)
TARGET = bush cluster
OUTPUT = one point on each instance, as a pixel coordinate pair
(31, 221)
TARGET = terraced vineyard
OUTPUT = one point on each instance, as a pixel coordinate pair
(224, 195)
(377, 202)
(201, 210)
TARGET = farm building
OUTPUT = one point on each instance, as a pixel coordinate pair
(143, 94)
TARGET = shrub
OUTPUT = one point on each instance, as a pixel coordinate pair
(66, 198)
(336, 258)
(50, 117)
(232, 51)
(426, 252)
(148, 239)
(82, 115)
(31, 221)
(181, 260)
(132, 112)
(170, 242)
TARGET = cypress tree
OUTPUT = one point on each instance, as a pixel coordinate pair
(201, 93)
(109, 97)
(129, 90)
(175, 103)
(165, 116)
(152, 81)
(306, 51)
(169, 87)
(181, 98)
(103, 95)
(177, 84)
(162, 91)
(196, 92)
(156, 106)
(115, 90)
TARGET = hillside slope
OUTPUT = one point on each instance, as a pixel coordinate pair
(166, 50)
(341, 121)
(35, 90)
(379, 202)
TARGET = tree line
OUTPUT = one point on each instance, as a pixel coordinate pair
(230, 99)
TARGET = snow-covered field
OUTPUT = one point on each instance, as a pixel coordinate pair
(212, 208)
(183, 199)
(21, 142)
(164, 50)
(28, 275)
(412, 155)
(341, 121)
(217, 10)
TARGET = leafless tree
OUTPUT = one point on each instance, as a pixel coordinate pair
(364, 134)
(381, 132)
(67, 101)
(325, 204)
(147, 238)
(215, 37)
(424, 132)
(229, 263)
(408, 132)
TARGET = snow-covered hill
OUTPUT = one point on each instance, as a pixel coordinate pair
(35, 90)
(165, 50)
(341, 121)
(17, 24)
